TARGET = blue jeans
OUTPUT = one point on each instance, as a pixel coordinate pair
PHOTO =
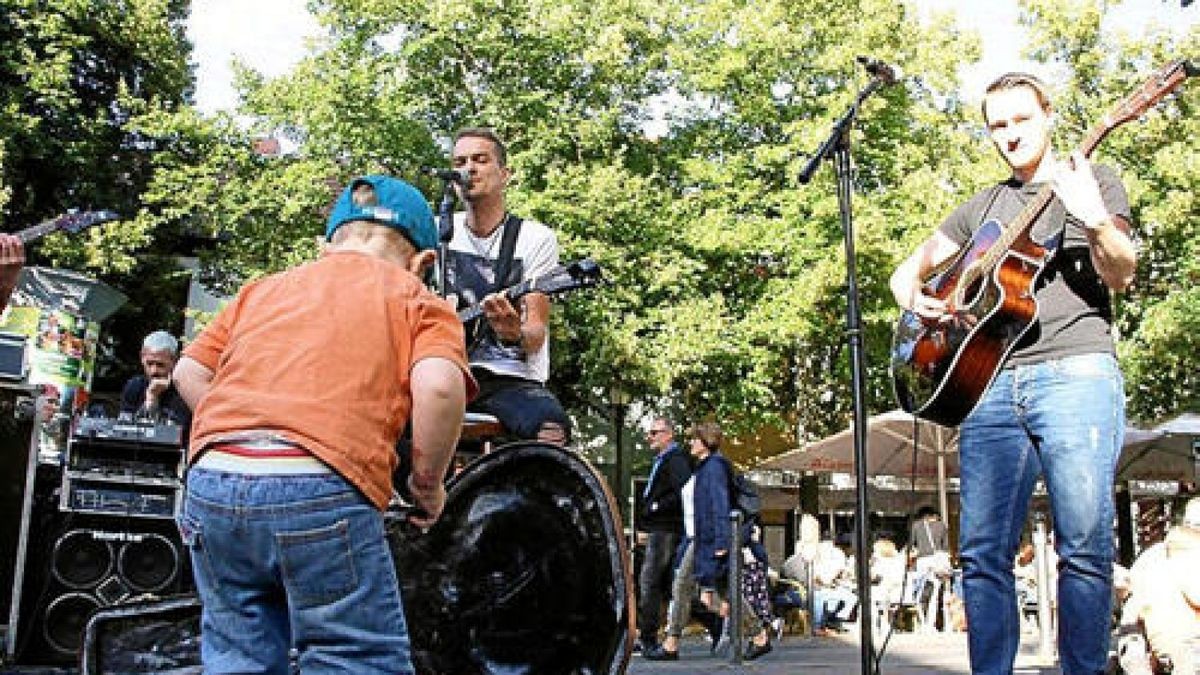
(835, 603)
(522, 406)
(1064, 420)
(286, 562)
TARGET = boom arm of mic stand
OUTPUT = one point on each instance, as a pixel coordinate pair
(840, 130)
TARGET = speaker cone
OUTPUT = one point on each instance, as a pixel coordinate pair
(65, 620)
(80, 560)
(148, 565)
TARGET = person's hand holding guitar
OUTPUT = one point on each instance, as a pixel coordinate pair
(12, 259)
(504, 318)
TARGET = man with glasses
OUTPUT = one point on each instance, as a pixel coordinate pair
(662, 520)
(491, 250)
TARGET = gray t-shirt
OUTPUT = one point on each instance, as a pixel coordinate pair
(471, 275)
(1074, 305)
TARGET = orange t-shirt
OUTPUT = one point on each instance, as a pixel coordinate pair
(321, 355)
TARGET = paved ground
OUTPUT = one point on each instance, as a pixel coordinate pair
(907, 653)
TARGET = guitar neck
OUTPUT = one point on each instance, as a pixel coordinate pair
(35, 232)
(512, 293)
(1024, 222)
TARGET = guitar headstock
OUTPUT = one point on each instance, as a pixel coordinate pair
(583, 273)
(76, 221)
(1153, 90)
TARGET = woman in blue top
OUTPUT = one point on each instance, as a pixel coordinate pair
(707, 523)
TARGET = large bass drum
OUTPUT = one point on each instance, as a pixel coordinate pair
(525, 572)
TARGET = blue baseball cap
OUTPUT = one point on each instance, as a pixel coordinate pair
(396, 204)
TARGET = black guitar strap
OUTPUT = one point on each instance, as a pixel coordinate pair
(508, 244)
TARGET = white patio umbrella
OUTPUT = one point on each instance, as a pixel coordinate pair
(1163, 453)
(889, 451)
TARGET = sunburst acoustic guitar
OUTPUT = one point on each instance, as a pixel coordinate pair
(940, 370)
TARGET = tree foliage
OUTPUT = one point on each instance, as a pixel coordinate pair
(664, 138)
(73, 73)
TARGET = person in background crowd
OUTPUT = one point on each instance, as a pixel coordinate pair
(833, 589)
(929, 547)
(928, 541)
(662, 520)
(887, 567)
(1164, 603)
(756, 591)
(704, 556)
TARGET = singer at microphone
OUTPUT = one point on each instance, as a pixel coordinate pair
(492, 249)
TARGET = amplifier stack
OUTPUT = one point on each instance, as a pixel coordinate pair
(98, 530)
(123, 469)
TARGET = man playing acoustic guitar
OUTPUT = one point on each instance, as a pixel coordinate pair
(1056, 409)
(510, 354)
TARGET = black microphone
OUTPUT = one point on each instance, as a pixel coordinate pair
(460, 176)
(886, 73)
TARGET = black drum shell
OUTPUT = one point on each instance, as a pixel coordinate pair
(526, 571)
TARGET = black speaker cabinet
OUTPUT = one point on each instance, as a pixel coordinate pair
(77, 563)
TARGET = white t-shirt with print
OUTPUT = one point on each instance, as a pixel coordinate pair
(470, 275)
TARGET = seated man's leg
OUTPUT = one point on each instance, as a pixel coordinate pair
(821, 599)
(527, 409)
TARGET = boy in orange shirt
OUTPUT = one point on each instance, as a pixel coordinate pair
(300, 388)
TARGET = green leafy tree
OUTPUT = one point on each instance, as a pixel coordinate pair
(727, 290)
(664, 139)
(72, 75)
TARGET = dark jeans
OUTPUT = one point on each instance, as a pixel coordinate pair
(654, 583)
(522, 406)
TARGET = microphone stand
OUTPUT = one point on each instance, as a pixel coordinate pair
(445, 234)
(837, 148)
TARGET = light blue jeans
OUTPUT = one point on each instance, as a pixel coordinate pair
(285, 562)
(836, 603)
(1064, 420)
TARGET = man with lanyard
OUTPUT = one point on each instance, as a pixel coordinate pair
(662, 520)
(1057, 409)
(490, 251)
